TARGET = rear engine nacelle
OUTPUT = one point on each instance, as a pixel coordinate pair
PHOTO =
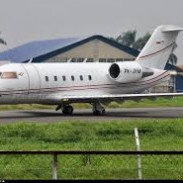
(126, 72)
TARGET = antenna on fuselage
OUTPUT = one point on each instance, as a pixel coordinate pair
(30, 61)
(69, 60)
(85, 60)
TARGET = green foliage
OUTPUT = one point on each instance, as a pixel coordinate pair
(127, 38)
(173, 58)
(25, 107)
(155, 134)
(140, 43)
(91, 135)
(159, 102)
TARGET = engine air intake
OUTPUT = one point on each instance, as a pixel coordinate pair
(126, 72)
(114, 70)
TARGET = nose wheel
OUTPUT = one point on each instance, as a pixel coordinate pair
(67, 110)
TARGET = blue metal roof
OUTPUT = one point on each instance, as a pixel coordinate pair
(42, 50)
(35, 49)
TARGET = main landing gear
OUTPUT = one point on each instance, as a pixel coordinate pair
(98, 109)
(66, 109)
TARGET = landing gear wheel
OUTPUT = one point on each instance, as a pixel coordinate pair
(103, 112)
(98, 109)
(99, 113)
(67, 110)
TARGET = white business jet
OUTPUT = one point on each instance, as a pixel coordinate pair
(62, 84)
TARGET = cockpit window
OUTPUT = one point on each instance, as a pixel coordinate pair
(9, 75)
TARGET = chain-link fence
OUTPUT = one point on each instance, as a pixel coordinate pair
(90, 165)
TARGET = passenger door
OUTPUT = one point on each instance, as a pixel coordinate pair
(34, 79)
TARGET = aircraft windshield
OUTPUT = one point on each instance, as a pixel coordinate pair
(9, 75)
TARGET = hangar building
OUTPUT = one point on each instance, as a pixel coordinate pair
(86, 49)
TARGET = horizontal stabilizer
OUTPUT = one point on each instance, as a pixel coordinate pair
(171, 28)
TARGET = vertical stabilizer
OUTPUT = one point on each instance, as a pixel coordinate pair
(159, 47)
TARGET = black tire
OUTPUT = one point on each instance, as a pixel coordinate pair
(99, 113)
(103, 112)
(96, 113)
(68, 110)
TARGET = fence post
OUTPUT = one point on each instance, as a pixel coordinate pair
(138, 156)
(54, 167)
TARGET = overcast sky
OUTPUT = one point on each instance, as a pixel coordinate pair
(22, 21)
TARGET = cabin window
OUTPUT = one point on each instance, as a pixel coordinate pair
(81, 78)
(55, 78)
(64, 78)
(72, 78)
(89, 77)
(46, 78)
(102, 60)
(110, 60)
(9, 75)
(90, 60)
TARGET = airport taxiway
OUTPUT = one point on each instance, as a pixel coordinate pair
(86, 114)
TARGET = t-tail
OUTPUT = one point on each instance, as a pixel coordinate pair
(156, 52)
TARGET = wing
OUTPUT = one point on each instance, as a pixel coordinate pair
(117, 97)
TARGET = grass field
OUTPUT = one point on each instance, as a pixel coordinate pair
(80, 135)
(76, 135)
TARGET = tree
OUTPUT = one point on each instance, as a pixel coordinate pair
(127, 38)
(173, 58)
(140, 43)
